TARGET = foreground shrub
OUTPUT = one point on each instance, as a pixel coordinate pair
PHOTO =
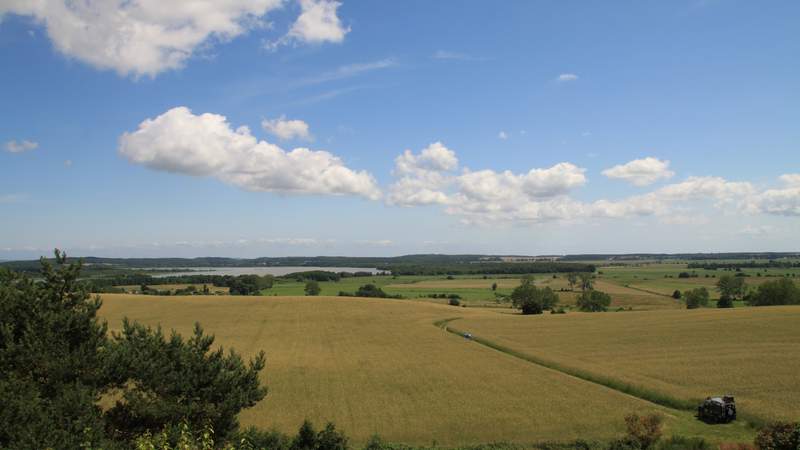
(684, 443)
(779, 436)
(50, 359)
(58, 363)
(643, 430)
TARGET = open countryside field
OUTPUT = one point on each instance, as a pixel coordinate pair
(752, 353)
(477, 291)
(381, 366)
(663, 278)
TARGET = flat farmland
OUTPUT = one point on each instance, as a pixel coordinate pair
(752, 353)
(381, 366)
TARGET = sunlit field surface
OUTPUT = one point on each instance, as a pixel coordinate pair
(381, 366)
(752, 353)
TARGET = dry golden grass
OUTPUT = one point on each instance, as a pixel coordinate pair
(380, 366)
(752, 353)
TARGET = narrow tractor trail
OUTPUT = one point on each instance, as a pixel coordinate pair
(625, 388)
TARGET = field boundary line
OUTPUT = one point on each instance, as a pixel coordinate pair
(661, 294)
(611, 383)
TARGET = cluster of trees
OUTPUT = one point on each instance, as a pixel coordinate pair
(484, 268)
(782, 291)
(368, 290)
(770, 264)
(238, 285)
(314, 275)
(581, 279)
(531, 299)
(593, 301)
(696, 298)
(58, 362)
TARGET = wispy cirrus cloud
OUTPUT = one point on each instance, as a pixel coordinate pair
(347, 71)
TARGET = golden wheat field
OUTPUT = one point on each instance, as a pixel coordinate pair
(752, 353)
(381, 366)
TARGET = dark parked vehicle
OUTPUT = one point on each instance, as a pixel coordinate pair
(717, 410)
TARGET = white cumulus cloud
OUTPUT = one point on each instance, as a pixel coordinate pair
(564, 77)
(140, 37)
(422, 177)
(502, 135)
(318, 23)
(641, 172)
(287, 128)
(21, 147)
(179, 141)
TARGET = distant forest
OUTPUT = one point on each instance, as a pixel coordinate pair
(423, 264)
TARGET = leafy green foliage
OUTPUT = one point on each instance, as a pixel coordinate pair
(532, 300)
(643, 430)
(696, 298)
(782, 291)
(725, 302)
(593, 301)
(731, 287)
(779, 436)
(165, 380)
(58, 362)
(51, 344)
(312, 288)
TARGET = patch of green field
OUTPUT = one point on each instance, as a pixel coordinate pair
(752, 353)
(663, 278)
(380, 366)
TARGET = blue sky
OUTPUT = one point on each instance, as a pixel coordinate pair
(532, 127)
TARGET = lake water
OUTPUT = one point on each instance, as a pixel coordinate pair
(277, 271)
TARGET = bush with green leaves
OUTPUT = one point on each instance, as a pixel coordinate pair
(51, 359)
(593, 301)
(312, 288)
(779, 436)
(643, 430)
(696, 298)
(725, 302)
(164, 380)
(782, 291)
(58, 363)
(684, 443)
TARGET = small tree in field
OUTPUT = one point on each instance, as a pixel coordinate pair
(586, 280)
(696, 298)
(731, 287)
(494, 286)
(676, 295)
(312, 288)
(572, 279)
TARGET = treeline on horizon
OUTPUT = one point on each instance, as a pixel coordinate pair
(95, 264)
(496, 268)
(771, 264)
